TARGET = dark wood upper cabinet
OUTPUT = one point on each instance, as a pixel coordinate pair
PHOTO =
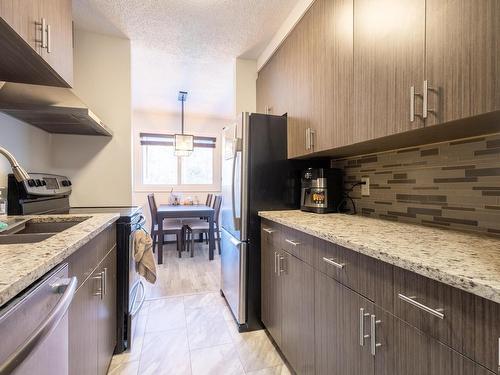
(36, 40)
(462, 58)
(389, 42)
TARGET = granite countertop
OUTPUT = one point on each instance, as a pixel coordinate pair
(23, 264)
(466, 261)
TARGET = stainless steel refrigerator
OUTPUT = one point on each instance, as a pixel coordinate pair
(256, 175)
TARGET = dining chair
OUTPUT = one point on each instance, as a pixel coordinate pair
(198, 226)
(170, 226)
(209, 199)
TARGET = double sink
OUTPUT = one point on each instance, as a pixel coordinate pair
(33, 231)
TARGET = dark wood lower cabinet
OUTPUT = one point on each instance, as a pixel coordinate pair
(338, 328)
(106, 315)
(92, 314)
(83, 329)
(325, 327)
(297, 318)
(271, 287)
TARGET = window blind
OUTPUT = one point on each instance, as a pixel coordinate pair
(152, 139)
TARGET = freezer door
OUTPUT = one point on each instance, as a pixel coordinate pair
(233, 275)
(234, 178)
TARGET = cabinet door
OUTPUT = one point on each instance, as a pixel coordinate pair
(388, 59)
(270, 286)
(331, 59)
(23, 17)
(338, 328)
(462, 54)
(83, 328)
(59, 53)
(406, 350)
(298, 314)
(107, 313)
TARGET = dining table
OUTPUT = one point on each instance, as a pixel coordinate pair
(169, 211)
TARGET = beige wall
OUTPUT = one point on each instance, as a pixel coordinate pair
(245, 85)
(100, 167)
(29, 145)
(163, 122)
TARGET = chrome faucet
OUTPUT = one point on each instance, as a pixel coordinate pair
(19, 173)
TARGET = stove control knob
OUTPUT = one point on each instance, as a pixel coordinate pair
(38, 182)
(31, 182)
(69, 183)
(64, 183)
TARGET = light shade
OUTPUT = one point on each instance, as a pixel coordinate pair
(183, 142)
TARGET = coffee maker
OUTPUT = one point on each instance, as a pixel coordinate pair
(322, 190)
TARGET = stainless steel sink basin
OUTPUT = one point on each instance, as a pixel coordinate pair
(8, 239)
(38, 227)
(32, 231)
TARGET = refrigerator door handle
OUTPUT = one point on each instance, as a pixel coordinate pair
(236, 221)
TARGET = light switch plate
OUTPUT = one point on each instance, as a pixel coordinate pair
(365, 188)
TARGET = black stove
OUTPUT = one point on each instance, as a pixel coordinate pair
(46, 193)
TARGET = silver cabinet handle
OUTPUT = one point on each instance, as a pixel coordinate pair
(362, 317)
(413, 94)
(268, 230)
(68, 288)
(333, 263)
(104, 281)
(49, 40)
(99, 292)
(291, 242)
(311, 138)
(425, 107)
(280, 261)
(411, 300)
(308, 139)
(499, 355)
(275, 262)
(44, 33)
(373, 334)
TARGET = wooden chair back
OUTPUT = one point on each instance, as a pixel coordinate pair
(217, 206)
(153, 209)
(209, 200)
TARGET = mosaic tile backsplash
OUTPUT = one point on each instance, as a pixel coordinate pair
(449, 185)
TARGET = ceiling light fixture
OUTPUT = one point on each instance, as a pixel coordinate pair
(183, 143)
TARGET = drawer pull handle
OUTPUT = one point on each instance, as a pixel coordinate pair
(411, 300)
(291, 242)
(373, 335)
(333, 263)
(362, 317)
(269, 231)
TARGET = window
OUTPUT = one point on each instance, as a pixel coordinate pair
(162, 168)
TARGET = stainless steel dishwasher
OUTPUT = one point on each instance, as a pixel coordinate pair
(34, 327)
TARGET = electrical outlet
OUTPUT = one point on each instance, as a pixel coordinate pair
(365, 188)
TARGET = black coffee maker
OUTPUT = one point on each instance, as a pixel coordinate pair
(322, 190)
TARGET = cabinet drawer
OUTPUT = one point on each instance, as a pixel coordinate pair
(298, 244)
(432, 307)
(367, 276)
(270, 233)
(337, 262)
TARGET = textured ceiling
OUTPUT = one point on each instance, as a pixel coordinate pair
(185, 45)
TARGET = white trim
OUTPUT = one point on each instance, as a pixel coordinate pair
(139, 187)
(293, 18)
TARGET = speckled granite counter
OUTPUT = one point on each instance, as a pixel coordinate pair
(23, 264)
(466, 261)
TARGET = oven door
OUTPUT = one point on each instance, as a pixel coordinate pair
(137, 291)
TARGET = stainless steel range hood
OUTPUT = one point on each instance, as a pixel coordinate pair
(53, 109)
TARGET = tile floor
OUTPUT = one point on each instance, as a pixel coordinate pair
(193, 333)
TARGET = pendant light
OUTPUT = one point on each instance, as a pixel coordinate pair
(183, 143)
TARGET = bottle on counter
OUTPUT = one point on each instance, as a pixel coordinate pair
(3, 201)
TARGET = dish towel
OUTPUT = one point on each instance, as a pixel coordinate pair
(143, 256)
